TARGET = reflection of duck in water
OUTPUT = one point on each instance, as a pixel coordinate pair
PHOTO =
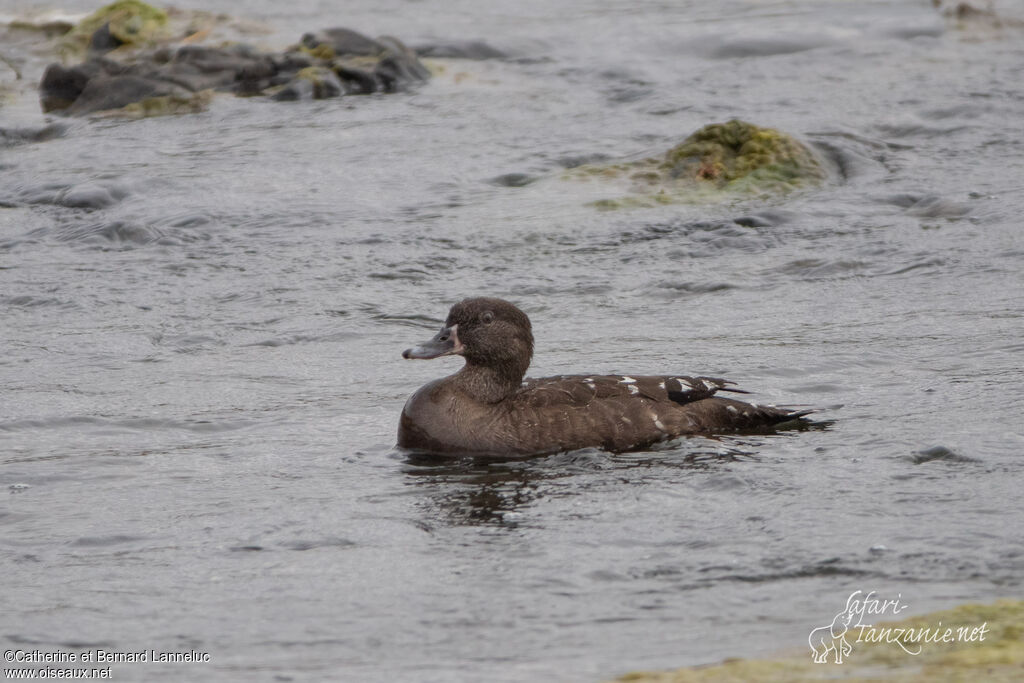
(487, 408)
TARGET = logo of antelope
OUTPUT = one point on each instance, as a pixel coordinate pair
(832, 638)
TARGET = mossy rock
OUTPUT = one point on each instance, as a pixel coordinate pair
(163, 105)
(129, 22)
(725, 153)
(998, 658)
(717, 161)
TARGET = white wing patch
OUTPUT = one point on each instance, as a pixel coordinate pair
(627, 380)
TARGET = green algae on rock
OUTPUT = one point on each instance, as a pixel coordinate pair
(720, 159)
(124, 22)
(163, 105)
(998, 657)
(726, 153)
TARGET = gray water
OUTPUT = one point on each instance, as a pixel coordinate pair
(201, 382)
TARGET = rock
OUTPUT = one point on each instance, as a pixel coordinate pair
(15, 136)
(357, 81)
(298, 90)
(338, 42)
(196, 68)
(125, 22)
(113, 92)
(50, 23)
(399, 65)
(513, 180)
(737, 151)
(127, 67)
(466, 49)
(87, 196)
(722, 158)
(165, 105)
(61, 86)
(996, 655)
(102, 40)
(312, 83)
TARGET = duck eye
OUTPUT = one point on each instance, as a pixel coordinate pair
(487, 318)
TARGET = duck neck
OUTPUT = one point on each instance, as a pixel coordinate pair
(489, 383)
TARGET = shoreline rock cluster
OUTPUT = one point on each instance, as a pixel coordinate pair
(133, 66)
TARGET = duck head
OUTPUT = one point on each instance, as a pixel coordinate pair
(491, 334)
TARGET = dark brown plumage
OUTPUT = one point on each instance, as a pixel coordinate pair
(486, 408)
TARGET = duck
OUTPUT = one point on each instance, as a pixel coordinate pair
(487, 408)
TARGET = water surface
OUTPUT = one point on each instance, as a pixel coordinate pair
(201, 380)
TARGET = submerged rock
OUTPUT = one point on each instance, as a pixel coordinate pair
(91, 195)
(983, 19)
(17, 136)
(165, 105)
(721, 158)
(464, 49)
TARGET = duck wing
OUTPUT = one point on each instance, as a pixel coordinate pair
(619, 412)
(683, 389)
(580, 390)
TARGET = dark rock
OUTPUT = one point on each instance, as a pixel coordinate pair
(61, 86)
(169, 79)
(399, 66)
(343, 41)
(298, 90)
(114, 92)
(14, 136)
(312, 83)
(407, 59)
(291, 61)
(513, 180)
(753, 222)
(356, 81)
(196, 68)
(194, 79)
(102, 40)
(465, 49)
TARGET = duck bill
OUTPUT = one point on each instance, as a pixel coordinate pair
(445, 343)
